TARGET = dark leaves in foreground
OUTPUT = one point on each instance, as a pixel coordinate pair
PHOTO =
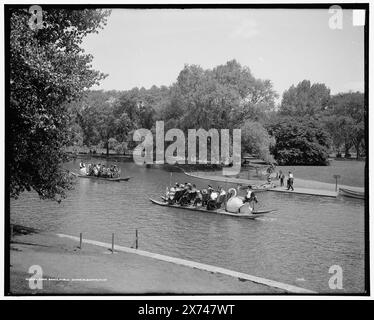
(48, 70)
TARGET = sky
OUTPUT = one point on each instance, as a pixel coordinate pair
(145, 47)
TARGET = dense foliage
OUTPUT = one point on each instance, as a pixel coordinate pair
(227, 96)
(344, 119)
(305, 99)
(300, 142)
(50, 107)
(340, 119)
(48, 70)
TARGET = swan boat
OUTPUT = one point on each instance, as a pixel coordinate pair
(235, 207)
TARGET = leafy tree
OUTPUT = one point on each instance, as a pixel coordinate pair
(345, 120)
(221, 98)
(305, 99)
(256, 140)
(138, 106)
(337, 126)
(121, 148)
(300, 142)
(256, 96)
(107, 125)
(48, 69)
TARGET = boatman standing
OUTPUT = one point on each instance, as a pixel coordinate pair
(250, 197)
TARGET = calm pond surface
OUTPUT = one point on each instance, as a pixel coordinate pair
(297, 245)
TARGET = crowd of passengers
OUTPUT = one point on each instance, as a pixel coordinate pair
(100, 170)
(188, 194)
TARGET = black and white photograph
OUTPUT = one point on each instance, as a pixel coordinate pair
(186, 150)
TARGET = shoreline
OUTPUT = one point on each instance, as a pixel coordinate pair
(93, 270)
(214, 170)
(301, 186)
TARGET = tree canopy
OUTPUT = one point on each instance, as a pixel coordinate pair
(344, 119)
(48, 70)
(221, 98)
(300, 142)
(305, 99)
(51, 106)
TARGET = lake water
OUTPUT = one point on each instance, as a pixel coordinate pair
(297, 245)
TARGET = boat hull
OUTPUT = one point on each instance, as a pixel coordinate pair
(352, 193)
(106, 179)
(254, 215)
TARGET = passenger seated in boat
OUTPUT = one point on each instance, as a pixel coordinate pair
(116, 172)
(198, 198)
(90, 169)
(179, 192)
(222, 197)
(205, 197)
(189, 194)
(103, 171)
(186, 196)
(95, 171)
(193, 191)
(171, 195)
(212, 202)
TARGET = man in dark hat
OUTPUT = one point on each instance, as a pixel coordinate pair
(250, 196)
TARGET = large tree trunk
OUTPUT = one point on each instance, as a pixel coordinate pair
(347, 146)
(107, 147)
(357, 146)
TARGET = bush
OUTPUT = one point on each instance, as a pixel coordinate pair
(300, 142)
(113, 143)
(256, 140)
(121, 148)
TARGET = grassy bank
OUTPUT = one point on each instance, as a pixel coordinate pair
(352, 172)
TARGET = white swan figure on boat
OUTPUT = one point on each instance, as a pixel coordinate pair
(235, 204)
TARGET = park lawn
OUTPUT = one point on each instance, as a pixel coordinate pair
(352, 172)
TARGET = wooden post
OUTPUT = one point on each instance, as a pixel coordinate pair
(136, 239)
(80, 240)
(336, 176)
(112, 242)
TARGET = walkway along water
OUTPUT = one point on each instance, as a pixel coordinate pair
(201, 266)
(298, 190)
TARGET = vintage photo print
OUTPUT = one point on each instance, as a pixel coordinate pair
(196, 149)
